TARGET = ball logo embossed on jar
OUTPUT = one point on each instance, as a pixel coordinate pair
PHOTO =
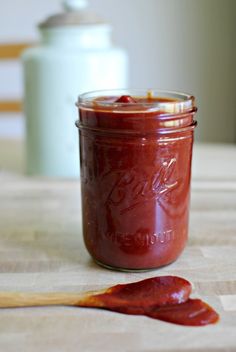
(129, 186)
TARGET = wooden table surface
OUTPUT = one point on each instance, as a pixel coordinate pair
(42, 250)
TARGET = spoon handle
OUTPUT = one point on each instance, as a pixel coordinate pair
(31, 299)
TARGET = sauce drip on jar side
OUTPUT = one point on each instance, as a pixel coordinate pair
(164, 298)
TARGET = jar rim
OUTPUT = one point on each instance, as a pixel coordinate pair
(176, 102)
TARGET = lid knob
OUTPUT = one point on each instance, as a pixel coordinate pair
(75, 14)
(75, 5)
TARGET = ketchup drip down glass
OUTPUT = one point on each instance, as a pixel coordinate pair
(135, 155)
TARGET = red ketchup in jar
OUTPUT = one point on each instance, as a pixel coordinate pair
(135, 152)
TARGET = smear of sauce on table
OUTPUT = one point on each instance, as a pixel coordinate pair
(164, 298)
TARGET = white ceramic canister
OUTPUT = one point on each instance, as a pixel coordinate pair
(76, 55)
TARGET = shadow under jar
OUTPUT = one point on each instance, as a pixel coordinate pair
(135, 155)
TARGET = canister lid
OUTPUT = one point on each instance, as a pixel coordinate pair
(75, 14)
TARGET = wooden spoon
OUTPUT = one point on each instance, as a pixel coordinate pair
(163, 298)
(153, 291)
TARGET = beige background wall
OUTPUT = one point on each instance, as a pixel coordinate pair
(184, 45)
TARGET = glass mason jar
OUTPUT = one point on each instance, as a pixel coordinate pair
(136, 151)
